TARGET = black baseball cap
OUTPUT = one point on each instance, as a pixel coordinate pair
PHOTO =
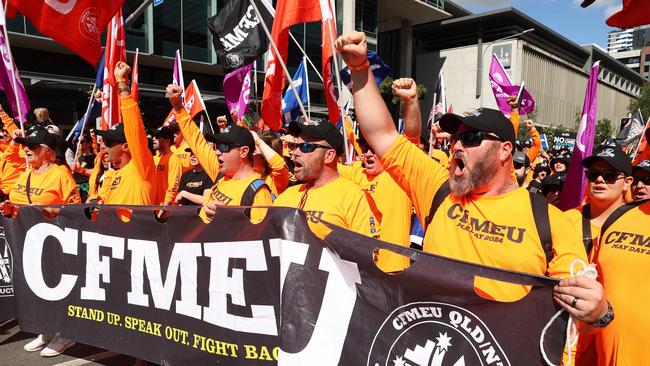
(482, 119)
(552, 182)
(613, 155)
(643, 165)
(542, 168)
(164, 132)
(38, 136)
(233, 135)
(113, 134)
(321, 130)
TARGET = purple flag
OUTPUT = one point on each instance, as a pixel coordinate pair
(6, 81)
(503, 88)
(574, 187)
(237, 90)
(177, 77)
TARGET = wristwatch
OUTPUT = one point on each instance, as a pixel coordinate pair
(606, 319)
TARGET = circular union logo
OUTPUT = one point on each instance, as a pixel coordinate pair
(434, 334)
(88, 24)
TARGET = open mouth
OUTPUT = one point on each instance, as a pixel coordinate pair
(459, 165)
(297, 166)
(220, 163)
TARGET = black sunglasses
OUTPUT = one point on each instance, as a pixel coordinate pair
(306, 147)
(645, 180)
(517, 165)
(473, 138)
(365, 147)
(609, 176)
(224, 148)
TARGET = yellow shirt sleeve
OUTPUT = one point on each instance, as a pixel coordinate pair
(136, 138)
(262, 198)
(279, 173)
(174, 172)
(204, 153)
(417, 174)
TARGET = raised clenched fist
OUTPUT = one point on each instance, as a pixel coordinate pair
(353, 48)
(174, 93)
(405, 88)
(122, 70)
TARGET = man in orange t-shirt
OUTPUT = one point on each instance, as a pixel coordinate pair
(482, 217)
(128, 152)
(168, 168)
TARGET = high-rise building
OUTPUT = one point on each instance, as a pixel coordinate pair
(631, 47)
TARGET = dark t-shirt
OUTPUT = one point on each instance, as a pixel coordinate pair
(86, 162)
(195, 183)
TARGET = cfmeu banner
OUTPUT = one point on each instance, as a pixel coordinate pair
(231, 292)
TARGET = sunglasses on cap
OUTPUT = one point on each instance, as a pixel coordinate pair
(645, 180)
(473, 138)
(609, 176)
(224, 148)
(306, 147)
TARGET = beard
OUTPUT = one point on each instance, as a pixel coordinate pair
(473, 177)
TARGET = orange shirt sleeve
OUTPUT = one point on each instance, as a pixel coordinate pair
(8, 123)
(536, 145)
(262, 199)
(15, 156)
(204, 153)
(514, 118)
(174, 171)
(136, 137)
(69, 192)
(279, 173)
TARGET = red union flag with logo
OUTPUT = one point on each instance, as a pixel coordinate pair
(76, 24)
(193, 103)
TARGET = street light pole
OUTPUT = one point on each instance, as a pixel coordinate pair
(480, 66)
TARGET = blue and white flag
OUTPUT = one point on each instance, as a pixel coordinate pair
(379, 70)
(290, 105)
(545, 146)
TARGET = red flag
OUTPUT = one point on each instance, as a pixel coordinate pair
(76, 24)
(134, 82)
(193, 103)
(193, 100)
(327, 9)
(288, 13)
(634, 13)
(115, 51)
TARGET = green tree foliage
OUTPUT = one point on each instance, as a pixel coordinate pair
(604, 131)
(642, 102)
(385, 89)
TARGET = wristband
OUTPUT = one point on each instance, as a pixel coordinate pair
(124, 89)
(361, 67)
(122, 80)
(606, 319)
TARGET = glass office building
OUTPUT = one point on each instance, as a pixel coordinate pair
(61, 81)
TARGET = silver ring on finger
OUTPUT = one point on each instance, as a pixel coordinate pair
(574, 302)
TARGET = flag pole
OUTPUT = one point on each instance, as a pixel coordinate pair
(83, 125)
(15, 83)
(305, 55)
(277, 53)
(348, 155)
(638, 144)
(307, 86)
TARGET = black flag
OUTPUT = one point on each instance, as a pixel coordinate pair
(238, 37)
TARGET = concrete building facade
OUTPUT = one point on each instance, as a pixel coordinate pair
(555, 69)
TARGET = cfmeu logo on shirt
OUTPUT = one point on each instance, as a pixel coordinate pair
(434, 334)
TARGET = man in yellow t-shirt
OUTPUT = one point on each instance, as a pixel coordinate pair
(324, 194)
(168, 168)
(482, 217)
(391, 200)
(128, 152)
(641, 183)
(622, 259)
(179, 147)
(230, 166)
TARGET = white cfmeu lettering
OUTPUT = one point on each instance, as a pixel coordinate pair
(239, 33)
(334, 316)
